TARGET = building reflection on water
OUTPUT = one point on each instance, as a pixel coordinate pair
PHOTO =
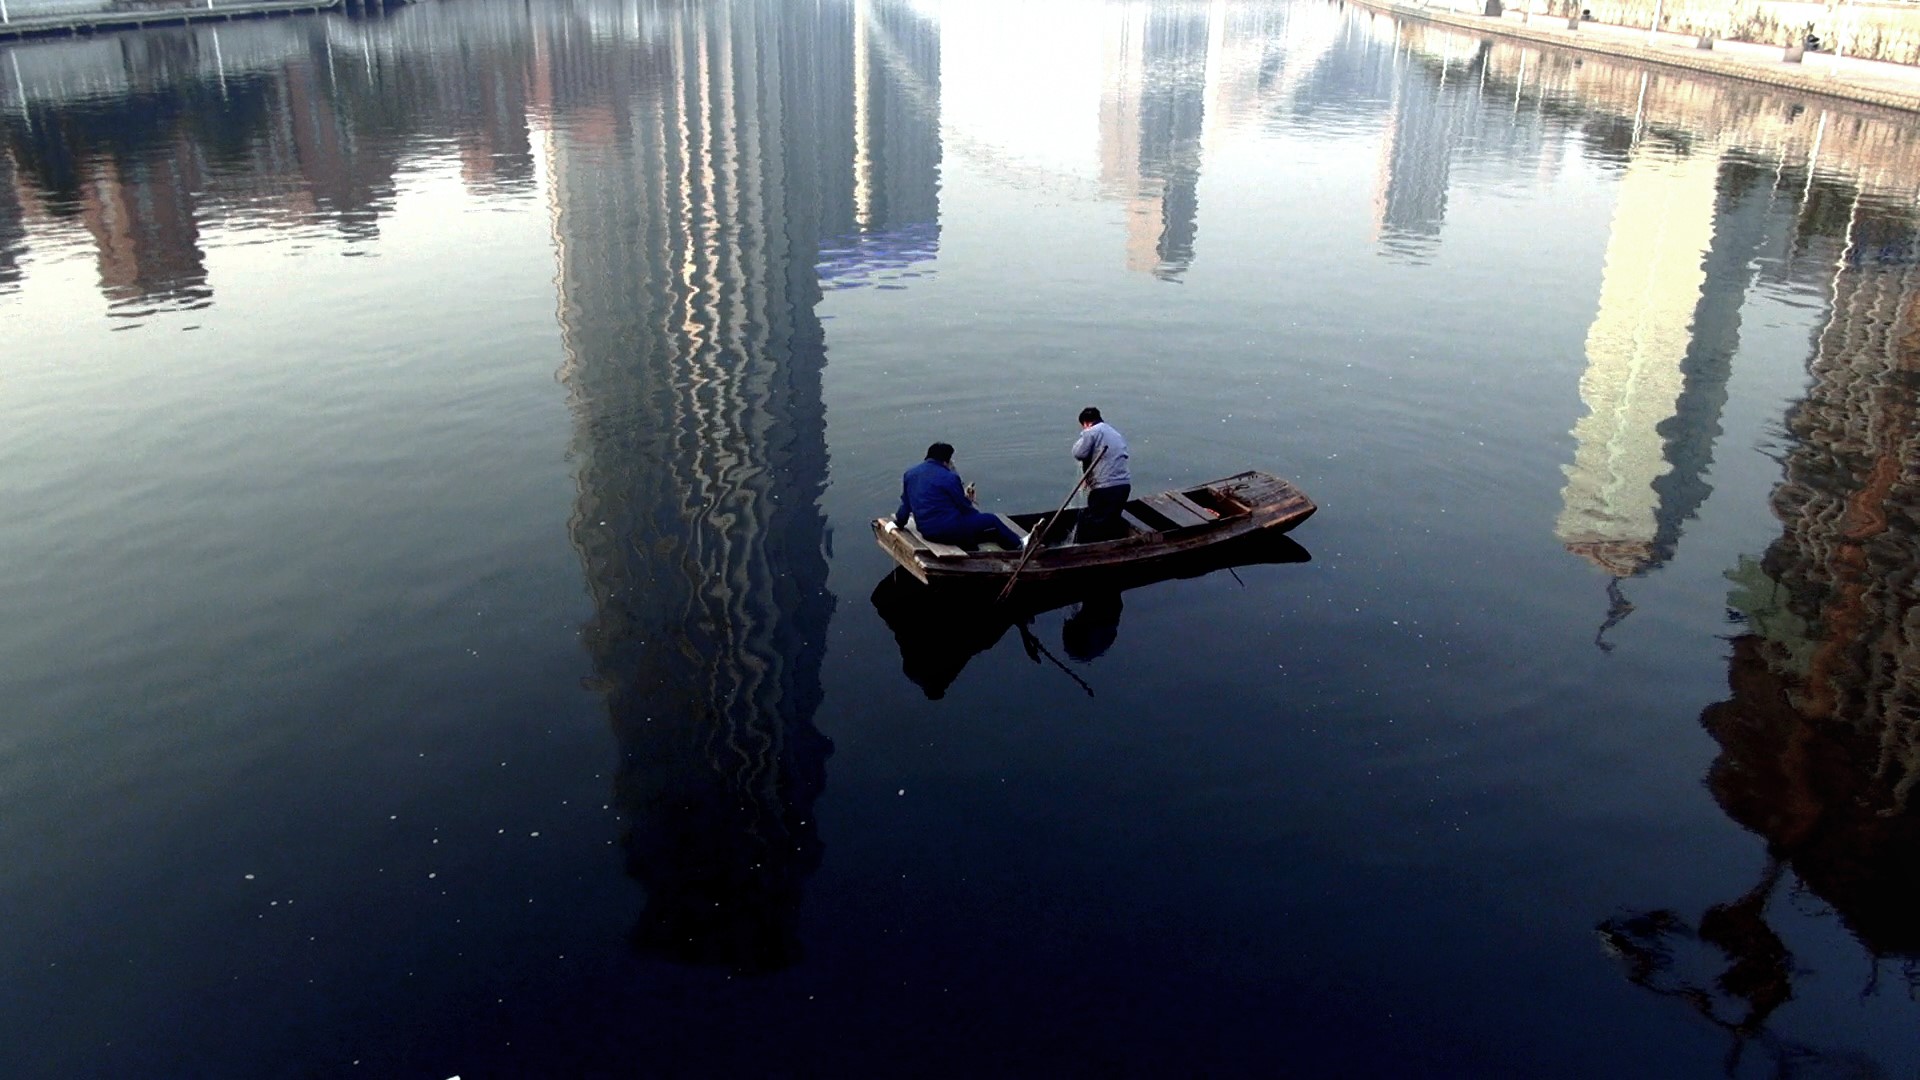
(13, 224)
(685, 220)
(1720, 188)
(1150, 127)
(712, 169)
(697, 162)
(1723, 189)
(1820, 734)
(141, 143)
(707, 168)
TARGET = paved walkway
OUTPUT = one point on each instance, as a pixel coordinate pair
(1895, 86)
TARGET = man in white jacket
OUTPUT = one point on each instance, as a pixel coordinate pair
(1103, 452)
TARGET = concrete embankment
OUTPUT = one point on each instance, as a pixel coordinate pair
(27, 19)
(1894, 86)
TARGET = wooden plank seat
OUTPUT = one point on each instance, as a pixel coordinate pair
(955, 551)
(1175, 512)
(946, 551)
(1136, 524)
(1181, 498)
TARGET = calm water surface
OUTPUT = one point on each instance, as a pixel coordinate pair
(441, 629)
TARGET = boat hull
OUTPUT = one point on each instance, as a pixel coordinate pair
(1166, 527)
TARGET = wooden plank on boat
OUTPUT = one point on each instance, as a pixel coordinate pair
(946, 551)
(900, 545)
(1173, 511)
(1256, 488)
(1139, 526)
(1181, 498)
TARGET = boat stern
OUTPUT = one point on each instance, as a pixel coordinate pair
(893, 540)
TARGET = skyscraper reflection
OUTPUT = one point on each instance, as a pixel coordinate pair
(1611, 515)
(1416, 157)
(695, 165)
(1720, 188)
(1150, 126)
(707, 169)
(1660, 351)
(895, 215)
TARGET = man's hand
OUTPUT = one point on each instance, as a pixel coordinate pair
(972, 492)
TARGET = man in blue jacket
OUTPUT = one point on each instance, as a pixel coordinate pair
(942, 507)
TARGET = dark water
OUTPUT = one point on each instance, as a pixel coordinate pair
(442, 635)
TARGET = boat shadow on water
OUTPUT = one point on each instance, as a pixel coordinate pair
(942, 626)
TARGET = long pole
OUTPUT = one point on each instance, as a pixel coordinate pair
(1033, 644)
(1040, 534)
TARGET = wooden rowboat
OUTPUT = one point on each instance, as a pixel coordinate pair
(1162, 526)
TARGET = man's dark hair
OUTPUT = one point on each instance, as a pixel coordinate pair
(940, 452)
(1089, 415)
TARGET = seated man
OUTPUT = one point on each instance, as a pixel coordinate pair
(942, 507)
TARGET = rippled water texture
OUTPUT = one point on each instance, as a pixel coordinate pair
(442, 633)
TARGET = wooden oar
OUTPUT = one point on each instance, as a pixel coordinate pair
(1040, 534)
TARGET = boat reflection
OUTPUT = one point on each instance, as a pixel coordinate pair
(940, 628)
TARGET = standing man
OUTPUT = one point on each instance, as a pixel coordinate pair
(1101, 450)
(942, 507)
